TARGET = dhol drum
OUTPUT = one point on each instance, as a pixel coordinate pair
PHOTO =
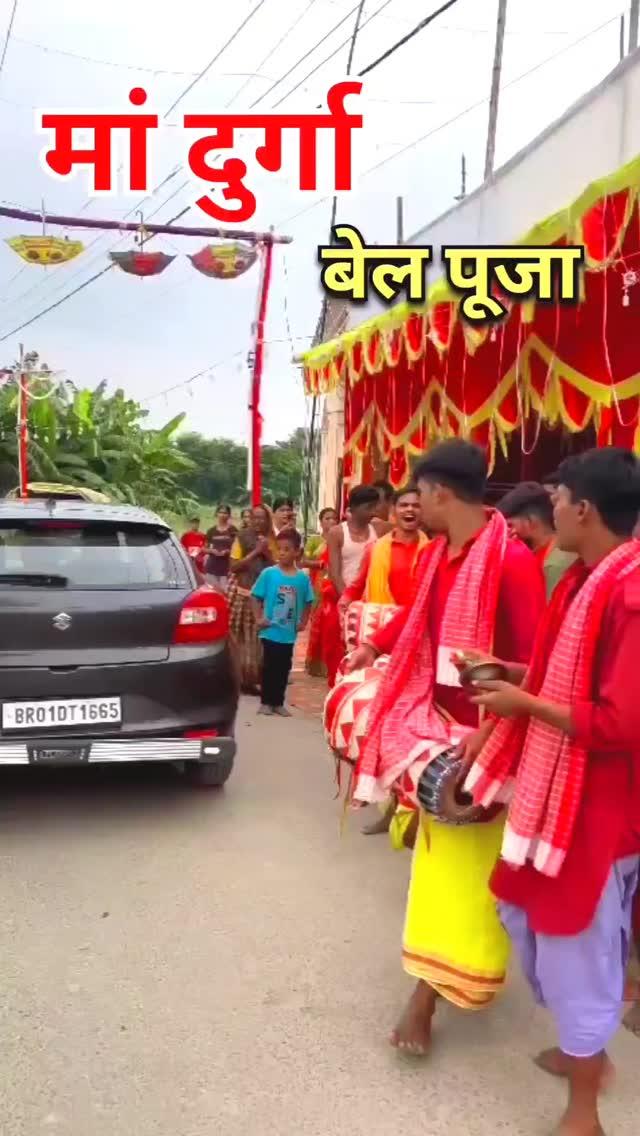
(363, 620)
(347, 707)
(439, 792)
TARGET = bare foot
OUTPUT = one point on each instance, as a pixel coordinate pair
(378, 827)
(572, 1125)
(631, 1020)
(555, 1062)
(412, 1035)
(568, 1128)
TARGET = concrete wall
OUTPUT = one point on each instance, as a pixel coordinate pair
(595, 137)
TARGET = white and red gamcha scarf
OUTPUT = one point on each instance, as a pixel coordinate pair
(404, 721)
(537, 768)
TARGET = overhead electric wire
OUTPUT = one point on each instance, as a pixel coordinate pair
(456, 117)
(190, 86)
(285, 35)
(405, 39)
(57, 303)
(509, 83)
(201, 74)
(332, 54)
(100, 237)
(7, 37)
(316, 45)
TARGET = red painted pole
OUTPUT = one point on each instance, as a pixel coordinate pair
(256, 380)
(23, 431)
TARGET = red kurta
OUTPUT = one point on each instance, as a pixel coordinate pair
(608, 823)
(521, 602)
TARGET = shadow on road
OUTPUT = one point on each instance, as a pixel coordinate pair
(100, 789)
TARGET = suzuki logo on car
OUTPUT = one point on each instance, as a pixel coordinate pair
(62, 621)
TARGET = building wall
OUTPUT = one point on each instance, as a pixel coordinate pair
(331, 449)
(332, 418)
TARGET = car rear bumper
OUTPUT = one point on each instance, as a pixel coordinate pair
(85, 751)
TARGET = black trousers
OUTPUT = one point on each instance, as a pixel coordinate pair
(276, 664)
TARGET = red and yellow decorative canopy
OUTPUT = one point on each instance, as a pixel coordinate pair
(413, 374)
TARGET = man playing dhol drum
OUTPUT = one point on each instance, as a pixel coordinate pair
(567, 757)
(476, 588)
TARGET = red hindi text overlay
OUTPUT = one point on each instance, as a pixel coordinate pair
(230, 175)
(63, 157)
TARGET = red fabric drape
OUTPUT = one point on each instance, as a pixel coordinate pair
(569, 365)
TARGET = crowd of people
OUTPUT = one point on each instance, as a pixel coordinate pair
(546, 587)
(258, 567)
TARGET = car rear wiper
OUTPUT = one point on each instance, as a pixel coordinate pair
(34, 579)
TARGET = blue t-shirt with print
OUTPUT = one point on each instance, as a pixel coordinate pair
(284, 598)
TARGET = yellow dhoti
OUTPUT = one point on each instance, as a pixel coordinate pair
(400, 822)
(453, 938)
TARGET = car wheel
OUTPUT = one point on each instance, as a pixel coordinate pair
(208, 774)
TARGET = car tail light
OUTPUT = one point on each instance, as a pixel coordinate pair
(198, 735)
(204, 618)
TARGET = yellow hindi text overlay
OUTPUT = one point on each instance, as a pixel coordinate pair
(483, 276)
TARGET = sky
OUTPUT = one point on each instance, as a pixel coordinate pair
(151, 335)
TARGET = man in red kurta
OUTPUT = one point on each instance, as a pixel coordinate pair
(388, 568)
(570, 763)
(476, 586)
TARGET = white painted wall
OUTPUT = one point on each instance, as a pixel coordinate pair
(595, 137)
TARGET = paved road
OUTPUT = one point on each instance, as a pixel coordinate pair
(180, 964)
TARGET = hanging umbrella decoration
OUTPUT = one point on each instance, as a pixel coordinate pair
(138, 263)
(226, 261)
(45, 250)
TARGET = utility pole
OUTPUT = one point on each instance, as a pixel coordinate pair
(494, 99)
(23, 425)
(634, 15)
(463, 179)
(399, 220)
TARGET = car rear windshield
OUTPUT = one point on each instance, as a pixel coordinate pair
(88, 555)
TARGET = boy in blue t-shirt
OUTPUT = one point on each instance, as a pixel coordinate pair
(281, 598)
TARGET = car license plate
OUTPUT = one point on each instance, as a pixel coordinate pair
(61, 713)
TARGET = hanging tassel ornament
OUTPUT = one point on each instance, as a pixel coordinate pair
(628, 280)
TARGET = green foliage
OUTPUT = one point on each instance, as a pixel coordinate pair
(88, 437)
(220, 474)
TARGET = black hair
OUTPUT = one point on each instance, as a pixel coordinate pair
(529, 499)
(291, 536)
(385, 489)
(224, 509)
(609, 479)
(458, 465)
(550, 478)
(406, 489)
(363, 495)
(194, 520)
(327, 509)
(280, 501)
